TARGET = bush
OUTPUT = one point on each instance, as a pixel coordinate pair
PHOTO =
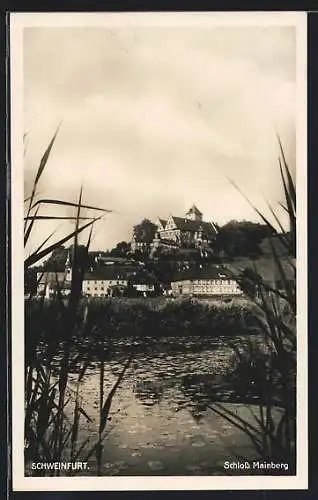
(154, 318)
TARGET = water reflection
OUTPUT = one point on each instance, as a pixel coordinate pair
(148, 392)
(161, 420)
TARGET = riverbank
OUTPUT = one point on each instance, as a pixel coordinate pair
(157, 317)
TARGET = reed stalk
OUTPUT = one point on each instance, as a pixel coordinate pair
(50, 435)
(274, 373)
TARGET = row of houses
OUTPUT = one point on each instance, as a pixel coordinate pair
(110, 281)
(120, 279)
(104, 281)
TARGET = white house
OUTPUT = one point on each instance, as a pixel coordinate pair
(101, 282)
(210, 281)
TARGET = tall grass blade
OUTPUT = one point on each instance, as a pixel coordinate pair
(40, 171)
(265, 220)
(291, 184)
(108, 402)
(33, 258)
(29, 228)
(289, 289)
(45, 241)
(291, 210)
(89, 238)
(45, 157)
(288, 195)
(76, 285)
(55, 217)
(284, 237)
(277, 376)
(46, 201)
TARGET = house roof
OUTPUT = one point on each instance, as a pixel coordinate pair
(211, 272)
(106, 273)
(194, 210)
(143, 279)
(62, 286)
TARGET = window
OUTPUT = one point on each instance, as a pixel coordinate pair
(102, 288)
(95, 282)
(95, 287)
(88, 288)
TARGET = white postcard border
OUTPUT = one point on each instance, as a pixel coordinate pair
(19, 21)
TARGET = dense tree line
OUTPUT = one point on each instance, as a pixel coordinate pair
(242, 238)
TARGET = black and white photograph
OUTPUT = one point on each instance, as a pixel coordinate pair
(156, 163)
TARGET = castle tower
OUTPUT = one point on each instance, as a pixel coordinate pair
(68, 269)
(194, 214)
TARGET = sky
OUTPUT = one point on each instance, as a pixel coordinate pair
(154, 119)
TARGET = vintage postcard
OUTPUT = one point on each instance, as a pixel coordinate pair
(155, 163)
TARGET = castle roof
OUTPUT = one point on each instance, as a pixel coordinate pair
(163, 222)
(194, 225)
(194, 210)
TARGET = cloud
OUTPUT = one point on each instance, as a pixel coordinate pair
(155, 119)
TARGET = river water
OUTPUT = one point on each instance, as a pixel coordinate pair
(162, 419)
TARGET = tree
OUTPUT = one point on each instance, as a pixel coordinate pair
(145, 231)
(57, 259)
(30, 280)
(242, 238)
(122, 249)
(164, 270)
(249, 282)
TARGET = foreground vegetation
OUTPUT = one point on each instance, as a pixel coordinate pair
(50, 435)
(102, 319)
(274, 373)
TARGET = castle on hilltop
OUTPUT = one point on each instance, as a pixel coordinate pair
(183, 232)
